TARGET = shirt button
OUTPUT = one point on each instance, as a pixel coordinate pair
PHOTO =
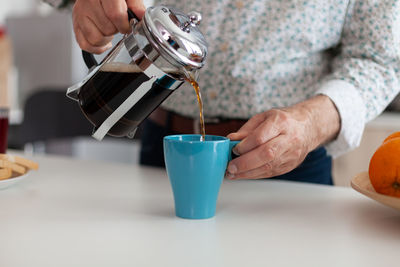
(212, 95)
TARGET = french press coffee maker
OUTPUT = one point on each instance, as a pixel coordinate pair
(141, 71)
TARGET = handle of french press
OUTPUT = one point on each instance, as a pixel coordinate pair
(89, 58)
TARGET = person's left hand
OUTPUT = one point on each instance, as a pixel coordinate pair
(277, 141)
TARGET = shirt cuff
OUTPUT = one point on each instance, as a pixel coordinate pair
(351, 108)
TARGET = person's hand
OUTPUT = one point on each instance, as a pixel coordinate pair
(96, 21)
(277, 141)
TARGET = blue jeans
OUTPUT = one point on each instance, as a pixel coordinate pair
(316, 167)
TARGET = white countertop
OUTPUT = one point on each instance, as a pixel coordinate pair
(86, 213)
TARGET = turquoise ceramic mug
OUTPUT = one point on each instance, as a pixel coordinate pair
(196, 169)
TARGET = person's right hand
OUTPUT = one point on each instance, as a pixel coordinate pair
(96, 21)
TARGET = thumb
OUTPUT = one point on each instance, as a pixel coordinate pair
(137, 7)
(237, 136)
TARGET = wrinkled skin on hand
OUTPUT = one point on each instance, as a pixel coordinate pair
(96, 21)
(277, 141)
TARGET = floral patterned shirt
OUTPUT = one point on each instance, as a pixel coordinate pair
(274, 53)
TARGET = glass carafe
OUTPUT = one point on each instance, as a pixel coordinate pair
(141, 71)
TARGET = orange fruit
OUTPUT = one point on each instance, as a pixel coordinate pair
(392, 136)
(384, 167)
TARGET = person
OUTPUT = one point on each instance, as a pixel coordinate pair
(294, 81)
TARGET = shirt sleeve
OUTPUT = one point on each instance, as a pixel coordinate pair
(366, 73)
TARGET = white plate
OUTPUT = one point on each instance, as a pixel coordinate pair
(362, 184)
(11, 181)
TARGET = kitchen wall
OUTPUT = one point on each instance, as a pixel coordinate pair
(46, 56)
(17, 7)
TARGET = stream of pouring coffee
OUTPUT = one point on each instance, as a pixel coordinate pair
(190, 76)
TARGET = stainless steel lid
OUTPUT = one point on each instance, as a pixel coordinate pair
(176, 36)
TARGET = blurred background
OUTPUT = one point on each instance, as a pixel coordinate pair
(45, 61)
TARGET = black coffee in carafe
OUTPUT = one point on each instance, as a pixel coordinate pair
(107, 89)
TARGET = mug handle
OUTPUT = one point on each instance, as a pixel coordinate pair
(89, 58)
(232, 155)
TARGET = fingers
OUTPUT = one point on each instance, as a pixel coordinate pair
(262, 128)
(85, 45)
(261, 135)
(248, 127)
(93, 30)
(258, 130)
(260, 157)
(280, 165)
(274, 142)
(102, 22)
(93, 34)
(267, 171)
(137, 7)
(96, 21)
(116, 12)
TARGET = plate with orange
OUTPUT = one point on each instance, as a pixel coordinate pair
(382, 181)
(362, 184)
